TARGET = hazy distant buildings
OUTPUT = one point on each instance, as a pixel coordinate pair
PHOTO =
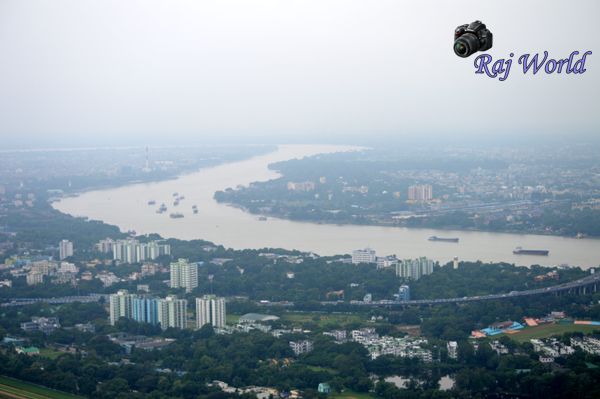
(184, 275)
(366, 255)
(422, 192)
(414, 269)
(34, 278)
(65, 249)
(384, 262)
(210, 309)
(301, 186)
(132, 251)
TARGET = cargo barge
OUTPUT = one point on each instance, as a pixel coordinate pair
(540, 252)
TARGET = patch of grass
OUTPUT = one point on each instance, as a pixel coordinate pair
(28, 390)
(549, 330)
(50, 353)
(232, 318)
(325, 369)
(323, 320)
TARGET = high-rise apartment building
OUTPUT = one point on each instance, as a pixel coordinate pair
(366, 255)
(145, 310)
(184, 275)
(168, 312)
(132, 251)
(210, 309)
(120, 305)
(65, 249)
(172, 312)
(414, 269)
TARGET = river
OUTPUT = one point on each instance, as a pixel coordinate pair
(127, 208)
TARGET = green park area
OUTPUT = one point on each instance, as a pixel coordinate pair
(324, 320)
(11, 388)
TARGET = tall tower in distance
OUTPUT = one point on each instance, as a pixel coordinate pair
(184, 275)
(147, 164)
(455, 263)
(65, 249)
(210, 309)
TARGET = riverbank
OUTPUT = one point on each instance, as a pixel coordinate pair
(126, 207)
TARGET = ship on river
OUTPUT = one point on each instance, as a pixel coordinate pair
(176, 215)
(443, 239)
(540, 252)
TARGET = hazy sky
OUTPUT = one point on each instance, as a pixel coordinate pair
(290, 68)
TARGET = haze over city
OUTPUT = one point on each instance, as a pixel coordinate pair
(98, 72)
(332, 199)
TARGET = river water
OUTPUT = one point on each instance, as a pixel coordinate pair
(127, 208)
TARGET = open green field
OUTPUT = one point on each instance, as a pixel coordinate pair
(50, 353)
(11, 388)
(548, 330)
(351, 395)
(323, 320)
(232, 318)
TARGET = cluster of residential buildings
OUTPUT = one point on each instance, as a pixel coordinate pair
(60, 272)
(412, 269)
(304, 186)
(133, 251)
(46, 325)
(166, 312)
(386, 345)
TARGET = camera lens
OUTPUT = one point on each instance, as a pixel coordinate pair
(466, 45)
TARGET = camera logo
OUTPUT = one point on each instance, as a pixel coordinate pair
(471, 38)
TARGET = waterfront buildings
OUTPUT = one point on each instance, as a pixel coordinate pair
(384, 262)
(65, 249)
(366, 255)
(133, 251)
(210, 309)
(184, 275)
(414, 269)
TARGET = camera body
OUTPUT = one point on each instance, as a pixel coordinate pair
(471, 38)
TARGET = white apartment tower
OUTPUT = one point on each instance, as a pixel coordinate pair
(65, 248)
(172, 312)
(120, 306)
(210, 309)
(184, 275)
(366, 255)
